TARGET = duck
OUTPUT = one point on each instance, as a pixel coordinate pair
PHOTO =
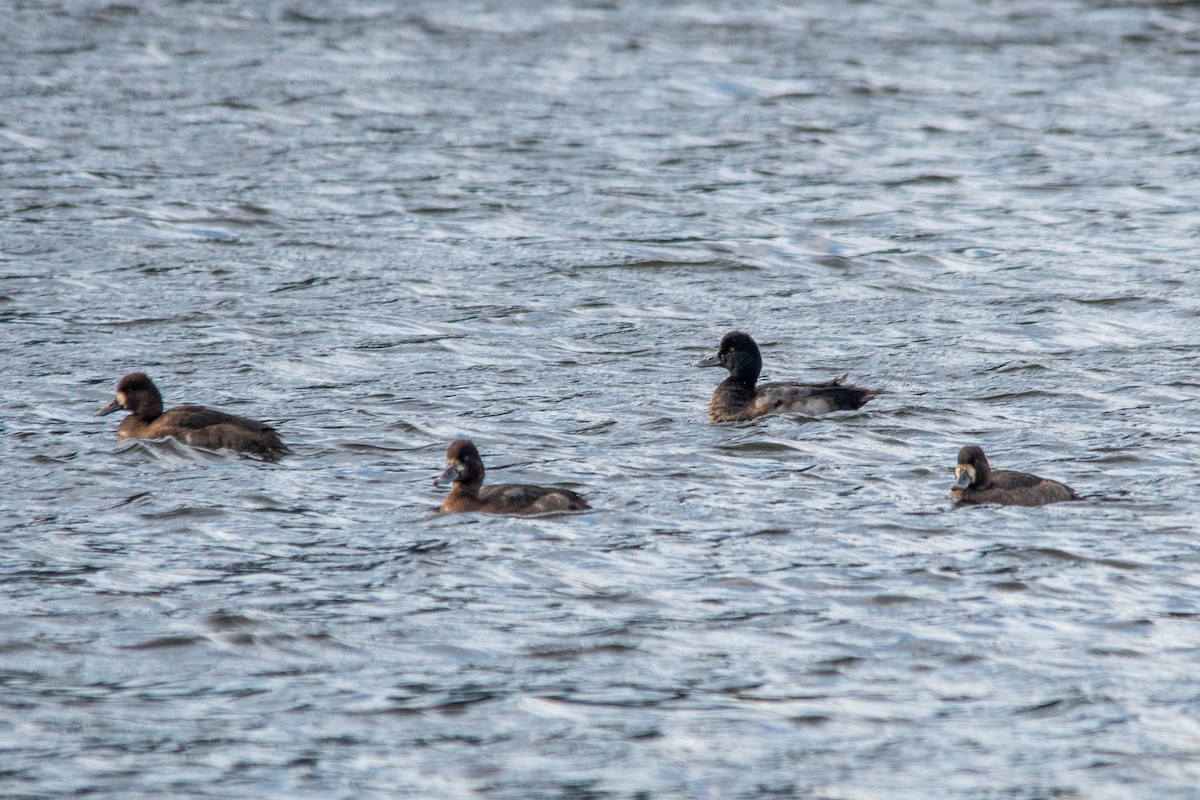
(739, 397)
(976, 482)
(190, 424)
(464, 470)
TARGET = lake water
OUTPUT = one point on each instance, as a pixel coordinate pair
(385, 226)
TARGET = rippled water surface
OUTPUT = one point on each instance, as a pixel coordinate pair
(384, 226)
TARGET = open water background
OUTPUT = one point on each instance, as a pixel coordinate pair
(386, 225)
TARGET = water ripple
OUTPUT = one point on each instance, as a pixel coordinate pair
(384, 228)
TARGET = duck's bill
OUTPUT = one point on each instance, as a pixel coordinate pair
(449, 476)
(115, 405)
(962, 478)
(711, 361)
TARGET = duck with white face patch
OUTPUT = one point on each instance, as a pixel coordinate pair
(976, 482)
(190, 424)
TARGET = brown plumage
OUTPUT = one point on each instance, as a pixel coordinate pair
(739, 398)
(976, 482)
(191, 424)
(464, 469)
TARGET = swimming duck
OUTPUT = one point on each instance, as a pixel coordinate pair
(737, 398)
(976, 482)
(464, 469)
(193, 425)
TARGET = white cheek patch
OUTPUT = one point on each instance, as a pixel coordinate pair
(121, 399)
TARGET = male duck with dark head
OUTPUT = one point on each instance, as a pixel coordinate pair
(976, 482)
(464, 469)
(193, 425)
(739, 397)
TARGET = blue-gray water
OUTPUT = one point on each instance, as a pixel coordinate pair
(384, 226)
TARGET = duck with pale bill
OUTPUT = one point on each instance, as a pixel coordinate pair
(976, 482)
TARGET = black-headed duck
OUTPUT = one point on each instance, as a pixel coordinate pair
(976, 482)
(193, 425)
(738, 398)
(464, 469)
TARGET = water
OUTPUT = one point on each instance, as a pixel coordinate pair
(382, 228)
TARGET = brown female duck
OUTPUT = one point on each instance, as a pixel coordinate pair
(976, 482)
(193, 425)
(464, 469)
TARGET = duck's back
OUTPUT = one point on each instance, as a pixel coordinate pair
(200, 426)
(811, 399)
(519, 498)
